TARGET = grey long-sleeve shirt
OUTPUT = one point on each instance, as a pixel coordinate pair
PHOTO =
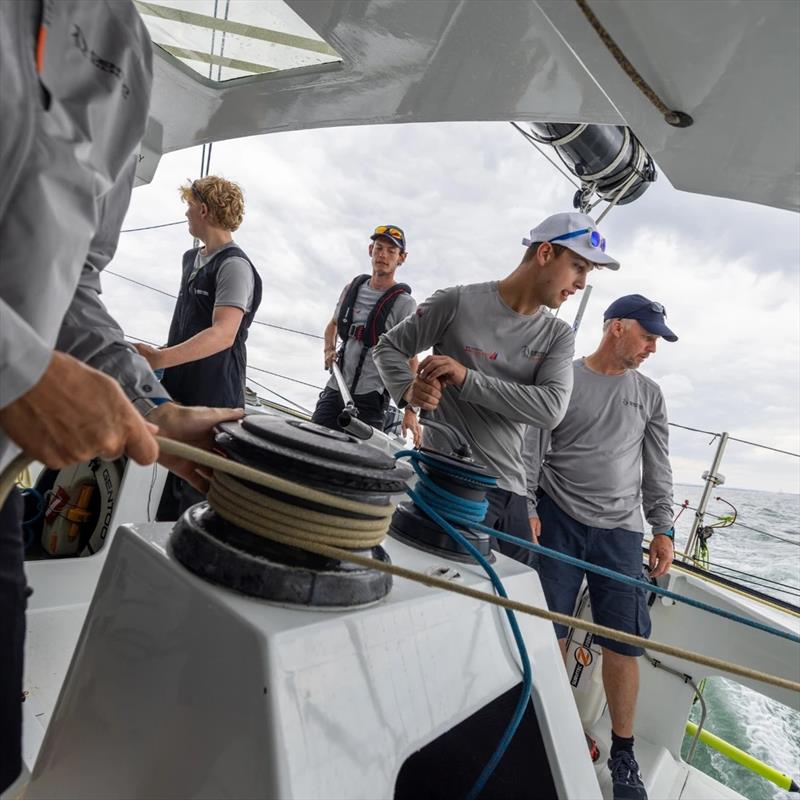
(609, 457)
(66, 147)
(519, 371)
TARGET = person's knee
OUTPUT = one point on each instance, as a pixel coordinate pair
(327, 410)
(623, 660)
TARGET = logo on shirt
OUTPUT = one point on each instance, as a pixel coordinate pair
(99, 63)
(533, 355)
(633, 403)
(476, 351)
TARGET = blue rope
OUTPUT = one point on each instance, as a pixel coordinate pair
(436, 503)
(444, 507)
(649, 587)
(468, 510)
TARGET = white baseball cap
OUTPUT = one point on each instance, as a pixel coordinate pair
(577, 232)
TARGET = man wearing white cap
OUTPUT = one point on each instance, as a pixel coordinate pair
(500, 360)
(607, 461)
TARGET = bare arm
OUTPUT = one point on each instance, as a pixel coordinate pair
(330, 343)
(220, 336)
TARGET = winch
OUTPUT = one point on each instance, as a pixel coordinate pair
(227, 539)
(442, 475)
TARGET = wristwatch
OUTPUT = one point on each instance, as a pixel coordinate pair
(670, 534)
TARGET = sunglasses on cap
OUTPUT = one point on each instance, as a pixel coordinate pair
(595, 239)
(389, 230)
(658, 308)
(198, 194)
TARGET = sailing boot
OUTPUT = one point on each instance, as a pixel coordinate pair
(625, 776)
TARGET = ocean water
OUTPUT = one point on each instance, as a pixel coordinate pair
(758, 725)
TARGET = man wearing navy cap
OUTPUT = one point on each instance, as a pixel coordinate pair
(608, 460)
(368, 305)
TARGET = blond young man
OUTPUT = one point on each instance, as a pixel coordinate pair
(205, 358)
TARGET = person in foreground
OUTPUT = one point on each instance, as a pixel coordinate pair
(367, 306)
(206, 357)
(607, 460)
(500, 360)
(70, 387)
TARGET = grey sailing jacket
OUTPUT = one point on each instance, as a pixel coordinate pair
(68, 142)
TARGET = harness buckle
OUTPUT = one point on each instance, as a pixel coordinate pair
(356, 331)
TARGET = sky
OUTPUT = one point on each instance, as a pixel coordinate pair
(466, 193)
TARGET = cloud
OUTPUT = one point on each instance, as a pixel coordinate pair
(466, 194)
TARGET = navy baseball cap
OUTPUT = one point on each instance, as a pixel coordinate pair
(391, 232)
(649, 314)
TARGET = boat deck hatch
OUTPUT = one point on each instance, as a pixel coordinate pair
(448, 766)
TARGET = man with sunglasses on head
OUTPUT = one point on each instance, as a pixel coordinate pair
(501, 361)
(367, 306)
(205, 358)
(607, 460)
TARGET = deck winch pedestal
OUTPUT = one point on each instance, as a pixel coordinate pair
(186, 683)
(308, 454)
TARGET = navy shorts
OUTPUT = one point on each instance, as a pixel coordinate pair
(13, 600)
(508, 512)
(614, 604)
(371, 408)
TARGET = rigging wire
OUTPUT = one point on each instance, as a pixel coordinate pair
(763, 446)
(753, 580)
(290, 330)
(139, 283)
(203, 165)
(734, 439)
(286, 377)
(766, 583)
(748, 527)
(174, 297)
(259, 369)
(285, 399)
(543, 154)
(153, 227)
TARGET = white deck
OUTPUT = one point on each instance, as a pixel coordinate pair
(54, 630)
(418, 663)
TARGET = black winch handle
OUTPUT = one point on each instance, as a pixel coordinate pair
(460, 446)
(343, 390)
(348, 421)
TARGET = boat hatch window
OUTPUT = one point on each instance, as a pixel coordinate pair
(226, 39)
